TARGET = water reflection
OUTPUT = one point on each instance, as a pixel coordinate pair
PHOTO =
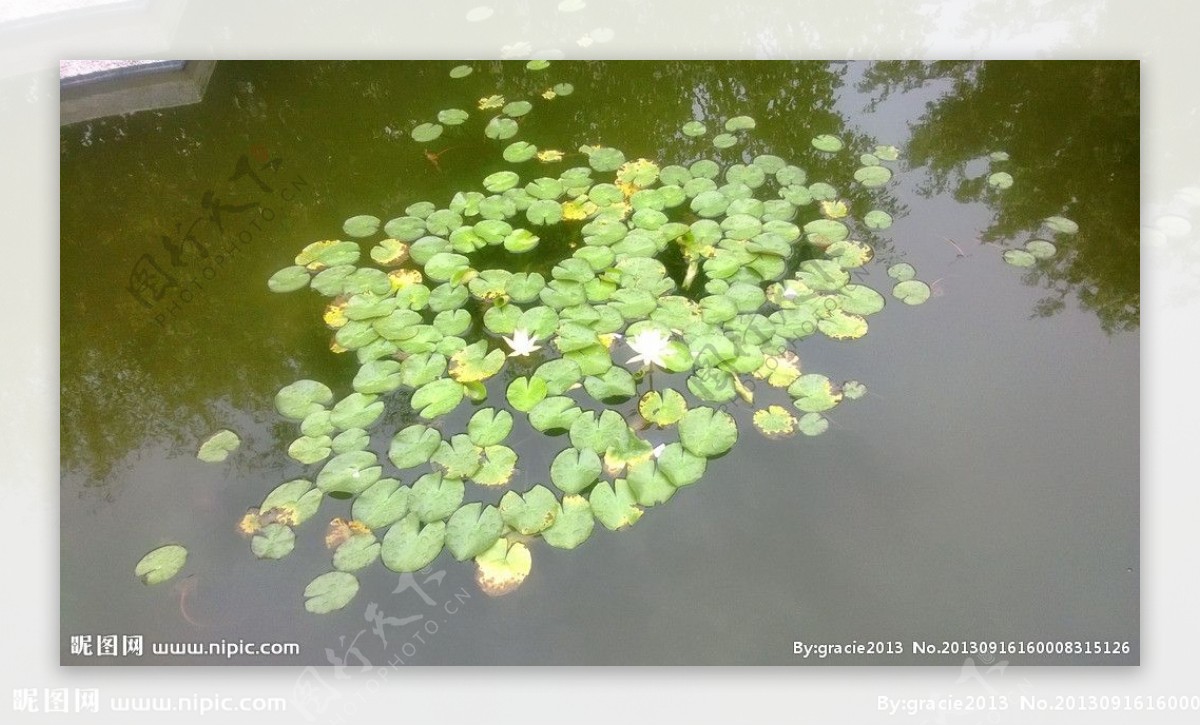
(1071, 130)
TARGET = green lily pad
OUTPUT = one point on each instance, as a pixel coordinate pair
(363, 225)
(525, 393)
(1041, 249)
(604, 158)
(408, 547)
(680, 466)
(915, 292)
(901, 271)
(1020, 258)
(694, 128)
(574, 470)
(426, 132)
(877, 219)
(614, 505)
(501, 181)
(422, 368)
(452, 116)
(860, 300)
(615, 383)
(522, 240)
(461, 71)
(998, 156)
(553, 413)
(161, 564)
(813, 393)
(382, 504)
(329, 592)
(563, 89)
(544, 212)
(458, 458)
(356, 411)
(500, 128)
(663, 409)
(356, 553)
(853, 390)
(349, 473)
(842, 326)
(572, 526)
(273, 542)
(828, 143)
(378, 376)
(813, 424)
(1062, 224)
(435, 497)
(873, 176)
(497, 464)
(472, 530)
(310, 449)
(489, 426)
(289, 279)
(537, 64)
(218, 446)
(519, 151)
(706, 432)
(531, 512)
(517, 108)
(437, 398)
(413, 445)
(1000, 180)
(739, 123)
(724, 141)
(475, 363)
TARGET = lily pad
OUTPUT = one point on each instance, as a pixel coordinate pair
(437, 398)
(517, 108)
(813, 424)
(1041, 249)
(289, 279)
(500, 128)
(1062, 225)
(853, 390)
(408, 547)
(574, 470)
(572, 526)
(877, 219)
(489, 426)
(497, 464)
(461, 71)
(519, 151)
(501, 181)
(680, 466)
(161, 564)
(349, 473)
(873, 176)
(382, 504)
(915, 292)
(413, 446)
(310, 449)
(458, 458)
(604, 158)
(329, 592)
(775, 422)
(694, 128)
(356, 553)
(706, 432)
(739, 123)
(273, 542)
(813, 393)
(1020, 258)
(1000, 180)
(435, 497)
(901, 271)
(828, 143)
(363, 225)
(452, 116)
(614, 505)
(531, 512)
(426, 132)
(724, 141)
(218, 446)
(663, 409)
(525, 393)
(472, 530)
(554, 413)
(502, 568)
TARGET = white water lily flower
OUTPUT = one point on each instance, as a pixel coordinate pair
(522, 343)
(650, 346)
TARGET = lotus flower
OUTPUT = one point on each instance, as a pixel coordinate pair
(650, 346)
(522, 343)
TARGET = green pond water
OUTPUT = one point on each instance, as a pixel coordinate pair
(984, 488)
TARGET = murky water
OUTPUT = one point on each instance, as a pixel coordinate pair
(986, 487)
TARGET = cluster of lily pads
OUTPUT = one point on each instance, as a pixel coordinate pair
(1034, 249)
(578, 285)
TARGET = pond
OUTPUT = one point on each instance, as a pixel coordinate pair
(850, 468)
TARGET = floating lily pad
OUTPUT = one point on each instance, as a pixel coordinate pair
(525, 393)
(489, 426)
(461, 71)
(329, 592)
(877, 219)
(694, 128)
(998, 156)
(1062, 225)
(218, 446)
(873, 176)
(724, 141)
(604, 158)
(663, 409)
(500, 128)
(614, 505)
(573, 470)
(813, 393)
(813, 424)
(537, 64)
(349, 473)
(901, 271)
(435, 497)
(426, 132)
(473, 529)
(1000, 180)
(497, 464)
(1041, 249)
(827, 142)
(356, 553)
(853, 390)
(381, 504)
(913, 292)
(363, 225)
(531, 512)
(553, 413)
(706, 432)
(273, 542)
(739, 123)
(452, 116)
(775, 422)
(517, 108)
(519, 151)
(310, 449)
(161, 564)
(408, 546)
(502, 568)
(1020, 258)
(572, 526)
(289, 279)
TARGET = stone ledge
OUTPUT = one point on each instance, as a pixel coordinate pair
(132, 88)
